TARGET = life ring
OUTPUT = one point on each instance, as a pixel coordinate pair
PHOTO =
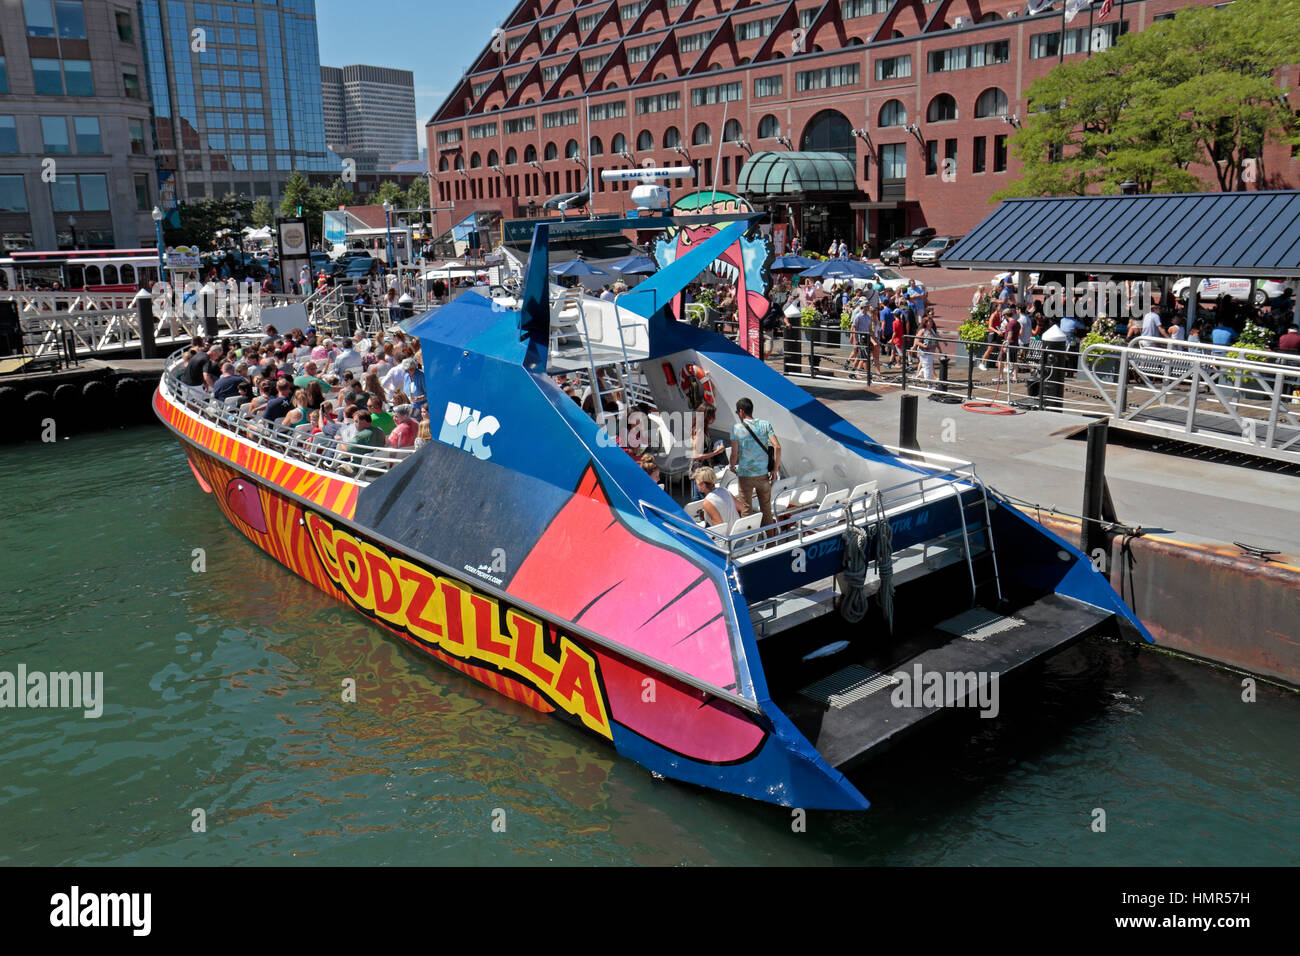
(990, 408)
(695, 373)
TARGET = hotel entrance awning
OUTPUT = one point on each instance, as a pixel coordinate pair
(772, 173)
(1251, 234)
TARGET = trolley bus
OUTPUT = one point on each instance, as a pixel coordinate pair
(80, 270)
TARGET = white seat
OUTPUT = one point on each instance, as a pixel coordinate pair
(830, 510)
(782, 485)
(808, 496)
(867, 492)
(719, 530)
(787, 498)
(748, 526)
(695, 509)
(812, 477)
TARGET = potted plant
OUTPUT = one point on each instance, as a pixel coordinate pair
(810, 319)
(846, 329)
(974, 332)
(1104, 366)
(1253, 339)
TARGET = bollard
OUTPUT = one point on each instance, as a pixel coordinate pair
(907, 423)
(209, 303)
(943, 373)
(970, 373)
(1097, 504)
(145, 313)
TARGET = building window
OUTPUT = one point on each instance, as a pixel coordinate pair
(851, 9)
(1000, 153)
(8, 135)
(755, 29)
(894, 68)
(86, 129)
(950, 156)
(931, 157)
(1102, 37)
(645, 140)
(658, 104)
(672, 138)
(448, 136)
(968, 57)
(893, 161)
(552, 73)
(550, 153)
(54, 133)
(768, 86)
(63, 18)
(142, 203)
(520, 124)
(85, 192)
(724, 93)
(618, 144)
(4, 76)
(548, 33)
(732, 131)
(977, 155)
(587, 22)
(13, 194)
(131, 82)
(942, 109)
(512, 157)
(483, 131)
(992, 102)
(512, 82)
(827, 78)
(591, 64)
(604, 111)
(769, 127)
(596, 147)
(639, 54)
(893, 113)
(560, 118)
(630, 11)
(694, 42)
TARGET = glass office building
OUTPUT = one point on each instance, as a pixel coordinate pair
(236, 95)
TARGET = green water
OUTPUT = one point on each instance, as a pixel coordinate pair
(223, 693)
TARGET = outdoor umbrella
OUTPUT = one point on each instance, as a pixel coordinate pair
(791, 264)
(633, 266)
(576, 268)
(840, 269)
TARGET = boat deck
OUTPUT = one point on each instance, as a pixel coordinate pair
(850, 715)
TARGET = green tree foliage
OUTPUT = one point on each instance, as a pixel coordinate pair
(417, 194)
(1198, 94)
(211, 224)
(263, 214)
(389, 191)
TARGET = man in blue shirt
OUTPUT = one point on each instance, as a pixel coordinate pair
(1223, 334)
(750, 440)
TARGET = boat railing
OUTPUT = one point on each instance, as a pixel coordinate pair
(321, 452)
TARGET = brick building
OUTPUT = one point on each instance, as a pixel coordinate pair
(915, 100)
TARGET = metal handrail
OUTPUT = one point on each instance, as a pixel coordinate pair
(316, 451)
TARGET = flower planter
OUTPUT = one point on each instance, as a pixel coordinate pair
(1106, 369)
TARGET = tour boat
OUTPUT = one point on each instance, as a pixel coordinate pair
(525, 548)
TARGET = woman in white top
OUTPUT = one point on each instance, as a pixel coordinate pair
(719, 505)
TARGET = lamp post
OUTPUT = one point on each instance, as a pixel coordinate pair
(388, 226)
(72, 224)
(157, 215)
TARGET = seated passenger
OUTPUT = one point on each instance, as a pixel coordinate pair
(651, 468)
(382, 420)
(280, 406)
(367, 436)
(404, 428)
(719, 505)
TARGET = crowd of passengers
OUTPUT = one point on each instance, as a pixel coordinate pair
(364, 393)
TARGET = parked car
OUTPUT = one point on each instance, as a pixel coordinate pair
(924, 232)
(930, 253)
(900, 250)
(1238, 288)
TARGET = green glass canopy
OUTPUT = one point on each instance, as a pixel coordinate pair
(773, 173)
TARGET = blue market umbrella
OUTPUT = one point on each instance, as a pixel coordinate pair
(840, 269)
(578, 268)
(791, 264)
(633, 266)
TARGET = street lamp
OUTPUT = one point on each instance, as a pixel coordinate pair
(388, 226)
(157, 215)
(72, 224)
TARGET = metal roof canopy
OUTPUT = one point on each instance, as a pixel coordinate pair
(1251, 234)
(772, 173)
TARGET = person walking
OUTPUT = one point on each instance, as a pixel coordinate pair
(756, 460)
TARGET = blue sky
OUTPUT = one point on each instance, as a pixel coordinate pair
(435, 39)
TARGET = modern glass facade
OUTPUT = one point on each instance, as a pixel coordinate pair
(236, 94)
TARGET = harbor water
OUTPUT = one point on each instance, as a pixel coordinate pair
(224, 680)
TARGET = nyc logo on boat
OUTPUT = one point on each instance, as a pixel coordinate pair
(452, 617)
(466, 428)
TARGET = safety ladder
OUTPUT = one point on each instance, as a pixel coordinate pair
(963, 508)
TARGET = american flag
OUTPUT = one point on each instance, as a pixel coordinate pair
(1106, 7)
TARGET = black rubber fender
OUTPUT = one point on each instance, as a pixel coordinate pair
(131, 400)
(11, 410)
(37, 407)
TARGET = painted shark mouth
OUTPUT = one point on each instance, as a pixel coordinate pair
(724, 270)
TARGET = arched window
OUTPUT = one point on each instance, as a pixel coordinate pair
(618, 144)
(460, 161)
(992, 102)
(829, 132)
(596, 147)
(475, 161)
(571, 149)
(493, 159)
(530, 154)
(769, 127)
(732, 131)
(672, 137)
(512, 157)
(645, 139)
(442, 165)
(128, 274)
(942, 109)
(702, 135)
(893, 113)
(110, 275)
(551, 152)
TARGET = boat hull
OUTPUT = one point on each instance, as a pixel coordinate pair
(671, 728)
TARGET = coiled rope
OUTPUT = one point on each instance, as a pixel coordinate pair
(885, 564)
(852, 578)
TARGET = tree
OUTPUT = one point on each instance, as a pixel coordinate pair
(417, 194)
(1194, 94)
(389, 191)
(295, 195)
(211, 224)
(262, 214)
